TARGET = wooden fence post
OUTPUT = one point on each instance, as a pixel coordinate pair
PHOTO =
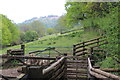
(23, 48)
(74, 50)
(98, 41)
(65, 73)
(83, 46)
(35, 73)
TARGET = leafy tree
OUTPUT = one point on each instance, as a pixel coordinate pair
(35, 26)
(101, 17)
(50, 31)
(61, 24)
(29, 36)
(38, 27)
(10, 32)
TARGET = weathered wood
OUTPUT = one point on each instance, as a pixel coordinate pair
(111, 70)
(80, 67)
(76, 78)
(35, 72)
(88, 41)
(82, 53)
(99, 76)
(76, 61)
(81, 47)
(74, 71)
(99, 44)
(26, 57)
(91, 43)
(94, 42)
(52, 66)
(58, 72)
(109, 75)
(76, 57)
(74, 50)
(81, 50)
(20, 76)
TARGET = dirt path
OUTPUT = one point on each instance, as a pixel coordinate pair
(10, 72)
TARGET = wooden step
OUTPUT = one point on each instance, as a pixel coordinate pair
(85, 64)
(80, 67)
(76, 57)
(77, 74)
(74, 71)
(76, 61)
(76, 78)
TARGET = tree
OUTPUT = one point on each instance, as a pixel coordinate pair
(61, 24)
(38, 27)
(29, 36)
(101, 17)
(50, 31)
(10, 32)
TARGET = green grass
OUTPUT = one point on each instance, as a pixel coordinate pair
(62, 42)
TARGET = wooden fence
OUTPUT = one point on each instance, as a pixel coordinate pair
(99, 74)
(87, 46)
(55, 71)
(17, 51)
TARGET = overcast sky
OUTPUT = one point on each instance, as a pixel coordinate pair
(21, 10)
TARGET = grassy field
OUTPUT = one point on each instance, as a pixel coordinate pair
(62, 42)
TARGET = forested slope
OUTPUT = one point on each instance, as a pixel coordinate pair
(101, 18)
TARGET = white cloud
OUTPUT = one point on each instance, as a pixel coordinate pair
(20, 10)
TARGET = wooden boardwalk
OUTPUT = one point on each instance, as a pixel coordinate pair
(76, 67)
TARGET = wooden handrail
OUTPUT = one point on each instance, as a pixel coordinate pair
(81, 47)
(99, 73)
(52, 66)
(111, 70)
(26, 57)
(109, 75)
(88, 41)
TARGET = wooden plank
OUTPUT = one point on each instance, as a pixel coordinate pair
(20, 76)
(82, 53)
(53, 65)
(74, 71)
(93, 39)
(99, 44)
(78, 78)
(26, 57)
(77, 64)
(88, 41)
(80, 67)
(76, 61)
(76, 57)
(99, 76)
(77, 51)
(60, 75)
(111, 70)
(93, 42)
(109, 75)
(58, 72)
(77, 74)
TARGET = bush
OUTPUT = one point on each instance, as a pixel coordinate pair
(29, 36)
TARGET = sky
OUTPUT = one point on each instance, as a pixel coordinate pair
(21, 10)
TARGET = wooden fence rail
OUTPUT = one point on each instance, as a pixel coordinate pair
(26, 57)
(101, 74)
(87, 46)
(55, 71)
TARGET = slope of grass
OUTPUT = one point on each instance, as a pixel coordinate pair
(62, 42)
